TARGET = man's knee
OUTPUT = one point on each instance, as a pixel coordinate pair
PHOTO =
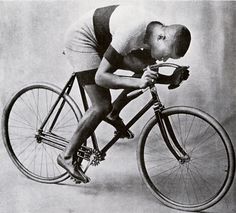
(102, 109)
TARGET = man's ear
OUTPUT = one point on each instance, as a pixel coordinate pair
(161, 36)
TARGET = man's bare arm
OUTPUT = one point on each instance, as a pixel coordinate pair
(105, 77)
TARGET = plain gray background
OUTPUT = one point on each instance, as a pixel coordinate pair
(31, 44)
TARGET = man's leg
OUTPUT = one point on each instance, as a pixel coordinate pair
(136, 61)
(100, 107)
(121, 101)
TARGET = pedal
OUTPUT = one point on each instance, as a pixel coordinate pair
(126, 134)
(75, 180)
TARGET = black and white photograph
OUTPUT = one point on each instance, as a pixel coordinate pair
(123, 106)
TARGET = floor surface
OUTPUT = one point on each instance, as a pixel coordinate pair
(115, 186)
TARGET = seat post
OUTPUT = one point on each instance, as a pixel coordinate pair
(83, 95)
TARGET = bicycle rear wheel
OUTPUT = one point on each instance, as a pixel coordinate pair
(201, 181)
(23, 116)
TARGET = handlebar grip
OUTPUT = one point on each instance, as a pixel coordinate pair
(180, 74)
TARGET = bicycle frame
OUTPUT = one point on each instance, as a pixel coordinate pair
(200, 178)
(60, 143)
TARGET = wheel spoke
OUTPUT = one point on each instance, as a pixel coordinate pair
(29, 108)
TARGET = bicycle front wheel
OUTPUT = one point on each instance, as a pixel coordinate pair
(201, 181)
(23, 116)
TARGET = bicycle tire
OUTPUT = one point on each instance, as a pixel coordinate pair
(177, 185)
(25, 111)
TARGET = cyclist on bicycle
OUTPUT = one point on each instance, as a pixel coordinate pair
(111, 38)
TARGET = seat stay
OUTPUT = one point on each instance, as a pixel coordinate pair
(66, 89)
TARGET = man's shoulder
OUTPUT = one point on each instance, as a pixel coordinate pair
(130, 16)
(131, 10)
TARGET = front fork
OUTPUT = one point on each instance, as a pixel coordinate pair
(166, 129)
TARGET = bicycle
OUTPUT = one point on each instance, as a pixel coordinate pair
(182, 147)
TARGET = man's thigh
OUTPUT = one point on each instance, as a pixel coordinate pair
(97, 94)
(86, 77)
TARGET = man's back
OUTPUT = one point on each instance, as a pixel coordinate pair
(123, 26)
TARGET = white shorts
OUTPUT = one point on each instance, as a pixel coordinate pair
(82, 61)
(81, 44)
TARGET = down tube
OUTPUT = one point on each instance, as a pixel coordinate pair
(128, 125)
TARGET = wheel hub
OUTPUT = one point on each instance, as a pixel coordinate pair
(37, 136)
(184, 159)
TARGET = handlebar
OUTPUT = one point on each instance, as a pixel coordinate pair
(156, 67)
(180, 73)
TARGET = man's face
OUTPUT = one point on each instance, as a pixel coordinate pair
(162, 51)
(162, 46)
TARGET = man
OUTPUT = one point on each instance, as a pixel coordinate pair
(111, 38)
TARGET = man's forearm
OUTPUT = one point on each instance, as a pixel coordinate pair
(109, 80)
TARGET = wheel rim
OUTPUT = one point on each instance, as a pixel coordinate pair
(205, 174)
(37, 160)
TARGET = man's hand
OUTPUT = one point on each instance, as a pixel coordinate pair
(180, 74)
(149, 77)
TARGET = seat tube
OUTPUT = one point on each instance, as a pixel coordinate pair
(85, 104)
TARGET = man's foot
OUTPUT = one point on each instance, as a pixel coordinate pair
(120, 127)
(74, 170)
